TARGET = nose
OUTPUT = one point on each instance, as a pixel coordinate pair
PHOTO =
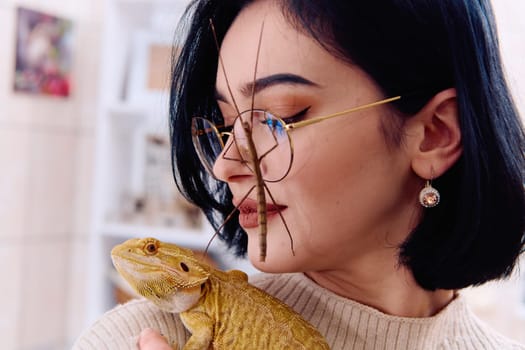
(229, 164)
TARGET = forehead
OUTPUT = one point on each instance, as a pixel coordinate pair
(282, 48)
(285, 50)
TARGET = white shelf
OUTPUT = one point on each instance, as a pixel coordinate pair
(128, 117)
(127, 110)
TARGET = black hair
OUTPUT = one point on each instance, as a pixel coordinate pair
(414, 47)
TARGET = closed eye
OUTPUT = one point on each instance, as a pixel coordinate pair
(297, 117)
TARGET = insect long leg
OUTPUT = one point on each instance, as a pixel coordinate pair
(221, 63)
(223, 69)
(219, 229)
(227, 149)
(282, 219)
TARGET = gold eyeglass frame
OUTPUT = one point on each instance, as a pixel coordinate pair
(286, 127)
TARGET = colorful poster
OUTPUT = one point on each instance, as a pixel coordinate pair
(43, 53)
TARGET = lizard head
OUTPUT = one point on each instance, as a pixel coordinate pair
(159, 270)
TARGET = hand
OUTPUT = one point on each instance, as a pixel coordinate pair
(150, 339)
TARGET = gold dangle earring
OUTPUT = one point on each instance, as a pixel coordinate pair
(429, 197)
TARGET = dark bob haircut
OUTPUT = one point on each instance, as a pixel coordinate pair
(476, 234)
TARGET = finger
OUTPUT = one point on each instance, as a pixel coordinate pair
(150, 339)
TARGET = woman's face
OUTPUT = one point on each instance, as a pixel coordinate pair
(349, 195)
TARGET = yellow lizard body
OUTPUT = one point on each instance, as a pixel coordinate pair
(220, 309)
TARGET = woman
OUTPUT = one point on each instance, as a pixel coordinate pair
(373, 265)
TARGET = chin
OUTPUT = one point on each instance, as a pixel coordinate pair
(274, 263)
(279, 255)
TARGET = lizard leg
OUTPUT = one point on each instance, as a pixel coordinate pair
(201, 327)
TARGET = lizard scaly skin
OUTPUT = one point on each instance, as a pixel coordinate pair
(221, 309)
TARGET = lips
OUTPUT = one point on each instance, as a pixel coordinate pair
(248, 216)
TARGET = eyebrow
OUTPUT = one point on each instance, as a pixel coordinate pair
(266, 82)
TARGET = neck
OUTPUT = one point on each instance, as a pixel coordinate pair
(393, 291)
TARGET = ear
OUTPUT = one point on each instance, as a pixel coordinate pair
(436, 136)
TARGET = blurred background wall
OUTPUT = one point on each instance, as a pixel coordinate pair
(47, 154)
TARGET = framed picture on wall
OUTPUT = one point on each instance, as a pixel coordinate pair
(43, 53)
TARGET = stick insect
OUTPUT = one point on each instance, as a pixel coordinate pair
(250, 157)
(247, 147)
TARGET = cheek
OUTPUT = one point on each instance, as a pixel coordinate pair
(338, 176)
(337, 158)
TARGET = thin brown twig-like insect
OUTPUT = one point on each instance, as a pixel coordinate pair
(254, 160)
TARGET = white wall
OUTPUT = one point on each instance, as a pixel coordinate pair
(511, 26)
(45, 181)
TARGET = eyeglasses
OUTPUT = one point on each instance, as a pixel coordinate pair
(268, 133)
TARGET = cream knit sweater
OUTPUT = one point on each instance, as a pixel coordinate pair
(345, 324)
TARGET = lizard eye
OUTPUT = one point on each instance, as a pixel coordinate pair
(150, 248)
(184, 267)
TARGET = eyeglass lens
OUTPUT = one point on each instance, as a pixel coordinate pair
(271, 140)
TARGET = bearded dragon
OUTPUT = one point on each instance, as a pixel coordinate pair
(221, 309)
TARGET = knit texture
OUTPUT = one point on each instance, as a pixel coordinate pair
(344, 323)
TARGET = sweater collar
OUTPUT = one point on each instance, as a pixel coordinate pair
(366, 327)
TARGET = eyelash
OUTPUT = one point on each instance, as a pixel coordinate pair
(297, 117)
(288, 120)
